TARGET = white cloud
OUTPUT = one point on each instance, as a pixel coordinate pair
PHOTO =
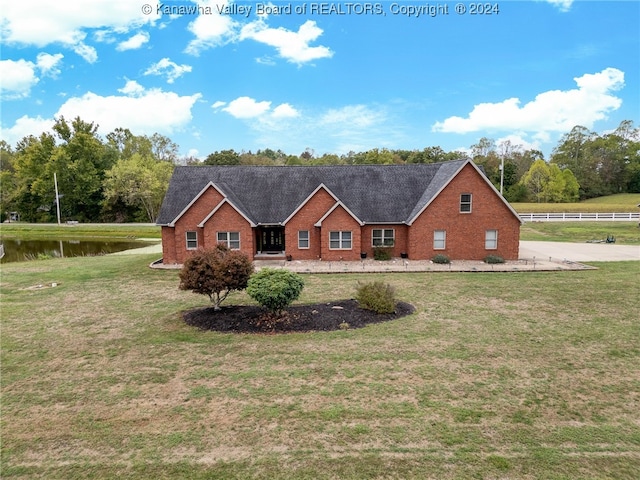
(132, 88)
(17, 78)
(169, 69)
(351, 127)
(87, 52)
(48, 64)
(143, 111)
(134, 42)
(42, 22)
(292, 46)
(25, 126)
(563, 5)
(211, 30)
(246, 107)
(551, 111)
(140, 110)
(285, 110)
(351, 116)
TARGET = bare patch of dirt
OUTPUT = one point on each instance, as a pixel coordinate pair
(338, 315)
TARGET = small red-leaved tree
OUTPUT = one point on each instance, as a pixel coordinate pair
(216, 272)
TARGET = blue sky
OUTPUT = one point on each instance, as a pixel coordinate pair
(330, 77)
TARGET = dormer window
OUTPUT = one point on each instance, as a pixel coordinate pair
(465, 203)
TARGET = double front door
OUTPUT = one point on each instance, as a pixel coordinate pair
(271, 239)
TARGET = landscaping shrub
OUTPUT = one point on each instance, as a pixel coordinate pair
(216, 272)
(377, 296)
(440, 258)
(382, 253)
(275, 289)
(493, 259)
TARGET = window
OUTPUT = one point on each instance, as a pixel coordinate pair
(230, 239)
(439, 239)
(383, 238)
(192, 240)
(491, 239)
(340, 240)
(303, 239)
(465, 203)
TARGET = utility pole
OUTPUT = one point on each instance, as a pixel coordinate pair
(55, 181)
(501, 174)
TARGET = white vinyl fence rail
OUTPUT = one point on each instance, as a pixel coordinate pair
(577, 217)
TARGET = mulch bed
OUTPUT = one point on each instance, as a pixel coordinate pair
(298, 318)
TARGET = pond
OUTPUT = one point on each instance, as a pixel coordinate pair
(17, 250)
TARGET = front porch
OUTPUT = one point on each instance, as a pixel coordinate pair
(270, 243)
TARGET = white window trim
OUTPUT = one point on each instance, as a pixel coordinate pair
(444, 240)
(341, 239)
(494, 239)
(227, 242)
(470, 202)
(186, 236)
(383, 238)
(308, 240)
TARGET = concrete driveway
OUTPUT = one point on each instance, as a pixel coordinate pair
(579, 252)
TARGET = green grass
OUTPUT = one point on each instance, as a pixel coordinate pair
(620, 203)
(34, 231)
(626, 233)
(519, 375)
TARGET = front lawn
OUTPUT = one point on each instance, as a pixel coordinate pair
(514, 375)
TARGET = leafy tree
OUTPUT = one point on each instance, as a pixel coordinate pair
(163, 149)
(571, 186)
(80, 162)
(216, 272)
(139, 181)
(224, 157)
(8, 184)
(127, 144)
(547, 183)
(536, 179)
(275, 289)
(34, 192)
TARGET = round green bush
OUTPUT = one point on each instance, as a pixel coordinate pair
(377, 296)
(493, 259)
(275, 289)
(440, 258)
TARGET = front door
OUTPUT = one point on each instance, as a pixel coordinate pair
(272, 239)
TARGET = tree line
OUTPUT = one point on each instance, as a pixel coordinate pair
(123, 177)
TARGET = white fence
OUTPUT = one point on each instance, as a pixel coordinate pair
(578, 217)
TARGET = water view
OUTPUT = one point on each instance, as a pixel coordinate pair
(16, 250)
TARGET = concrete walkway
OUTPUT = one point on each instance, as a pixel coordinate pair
(534, 256)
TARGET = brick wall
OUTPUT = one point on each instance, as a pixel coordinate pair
(465, 232)
(400, 235)
(189, 221)
(304, 219)
(340, 220)
(227, 219)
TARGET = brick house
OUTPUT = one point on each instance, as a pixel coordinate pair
(338, 212)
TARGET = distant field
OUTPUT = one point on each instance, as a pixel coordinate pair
(33, 231)
(623, 202)
(626, 233)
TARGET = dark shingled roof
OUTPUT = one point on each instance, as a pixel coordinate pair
(270, 194)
